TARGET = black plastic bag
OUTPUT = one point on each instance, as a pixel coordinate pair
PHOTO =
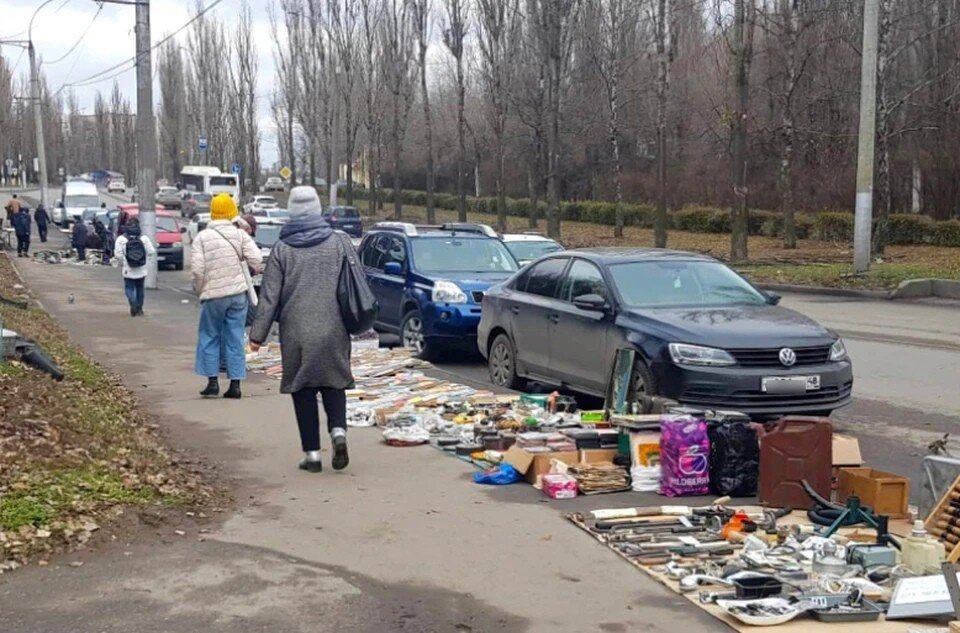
(734, 459)
(358, 305)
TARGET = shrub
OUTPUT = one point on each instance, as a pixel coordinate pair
(803, 222)
(945, 233)
(910, 229)
(834, 226)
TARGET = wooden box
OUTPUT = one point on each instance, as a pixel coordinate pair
(887, 493)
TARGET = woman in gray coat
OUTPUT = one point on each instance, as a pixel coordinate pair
(299, 290)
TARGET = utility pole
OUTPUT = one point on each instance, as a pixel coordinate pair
(146, 137)
(38, 122)
(863, 222)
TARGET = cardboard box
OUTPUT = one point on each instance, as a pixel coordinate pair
(887, 493)
(532, 465)
(596, 455)
(846, 453)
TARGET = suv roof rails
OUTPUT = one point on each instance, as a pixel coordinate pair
(469, 227)
(406, 228)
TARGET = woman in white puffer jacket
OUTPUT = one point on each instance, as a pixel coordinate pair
(218, 256)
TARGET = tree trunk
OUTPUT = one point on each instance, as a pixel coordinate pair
(553, 153)
(462, 143)
(661, 220)
(428, 134)
(743, 25)
(501, 168)
(881, 224)
(533, 177)
(617, 167)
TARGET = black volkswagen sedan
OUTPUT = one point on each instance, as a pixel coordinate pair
(702, 334)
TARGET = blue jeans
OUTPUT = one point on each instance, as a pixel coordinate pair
(221, 325)
(133, 288)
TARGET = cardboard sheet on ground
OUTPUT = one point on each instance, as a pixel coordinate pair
(802, 624)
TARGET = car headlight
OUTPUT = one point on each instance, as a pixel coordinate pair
(683, 354)
(177, 245)
(448, 292)
(838, 351)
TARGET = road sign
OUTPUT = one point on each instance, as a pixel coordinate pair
(203, 142)
(235, 168)
(285, 173)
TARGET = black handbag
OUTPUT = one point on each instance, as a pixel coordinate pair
(358, 305)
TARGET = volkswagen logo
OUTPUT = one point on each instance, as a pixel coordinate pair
(788, 357)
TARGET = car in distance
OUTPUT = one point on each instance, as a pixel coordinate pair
(197, 224)
(259, 202)
(169, 234)
(346, 219)
(116, 184)
(195, 202)
(273, 183)
(169, 197)
(527, 247)
(430, 281)
(702, 335)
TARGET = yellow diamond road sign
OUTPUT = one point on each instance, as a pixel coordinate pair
(286, 173)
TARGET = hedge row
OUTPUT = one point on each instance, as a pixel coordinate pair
(835, 226)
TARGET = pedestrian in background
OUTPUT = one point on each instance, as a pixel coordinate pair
(133, 250)
(42, 218)
(21, 226)
(79, 240)
(219, 254)
(299, 290)
(12, 207)
(106, 240)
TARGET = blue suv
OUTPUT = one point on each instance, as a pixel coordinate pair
(430, 280)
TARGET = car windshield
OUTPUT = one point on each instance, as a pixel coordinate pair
(167, 224)
(457, 255)
(659, 284)
(532, 249)
(342, 212)
(202, 198)
(278, 213)
(81, 201)
(267, 235)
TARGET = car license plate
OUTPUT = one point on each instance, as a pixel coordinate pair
(160, 258)
(789, 384)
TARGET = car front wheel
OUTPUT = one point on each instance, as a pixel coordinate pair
(644, 384)
(502, 362)
(411, 335)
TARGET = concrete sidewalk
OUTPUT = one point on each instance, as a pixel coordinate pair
(400, 541)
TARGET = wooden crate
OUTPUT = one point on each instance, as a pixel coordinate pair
(887, 493)
(943, 521)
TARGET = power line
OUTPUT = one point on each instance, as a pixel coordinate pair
(77, 43)
(122, 67)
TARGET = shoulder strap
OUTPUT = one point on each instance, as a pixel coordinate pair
(239, 251)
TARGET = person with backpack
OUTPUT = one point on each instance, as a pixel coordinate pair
(132, 250)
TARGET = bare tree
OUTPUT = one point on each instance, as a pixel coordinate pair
(172, 116)
(664, 28)
(400, 75)
(370, 15)
(741, 52)
(243, 107)
(454, 34)
(420, 11)
(344, 27)
(499, 28)
(285, 55)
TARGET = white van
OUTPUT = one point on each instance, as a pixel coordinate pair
(76, 197)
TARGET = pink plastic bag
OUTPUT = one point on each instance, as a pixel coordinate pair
(684, 457)
(559, 485)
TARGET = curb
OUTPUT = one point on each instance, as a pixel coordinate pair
(827, 291)
(920, 288)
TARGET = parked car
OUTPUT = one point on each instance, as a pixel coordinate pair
(346, 219)
(702, 334)
(260, 202)
(273, 183)
(430, 281)
(195, 202)
(116, 184)
(527, 247)
(268, 234)
(169, 234)
(280, 215)
(197, 224)
(169, 197)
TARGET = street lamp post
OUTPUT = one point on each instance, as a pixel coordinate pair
(863, 220)
(37, 107)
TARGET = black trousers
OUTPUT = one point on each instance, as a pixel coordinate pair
(42, 230)
(308, 413)
(23, 244)
(81, 253)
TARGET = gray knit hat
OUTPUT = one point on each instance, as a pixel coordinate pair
(304, 201)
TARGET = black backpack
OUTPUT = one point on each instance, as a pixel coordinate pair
(136, 253)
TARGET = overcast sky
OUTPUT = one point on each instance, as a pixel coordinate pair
(110, 40)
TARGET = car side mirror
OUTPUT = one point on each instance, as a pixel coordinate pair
(393, 268)
(772, 297)
(591, 303)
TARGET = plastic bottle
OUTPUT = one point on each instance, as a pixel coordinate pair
(921, 553)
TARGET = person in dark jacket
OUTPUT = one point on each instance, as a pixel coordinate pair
(79, 240)
(300, 291)
(42, 218)
(21, 226)
(106, 240)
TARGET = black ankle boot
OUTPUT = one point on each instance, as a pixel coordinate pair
(234, 390)
(212, 388)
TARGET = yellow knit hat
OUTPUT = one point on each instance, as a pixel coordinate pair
(222, 207)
